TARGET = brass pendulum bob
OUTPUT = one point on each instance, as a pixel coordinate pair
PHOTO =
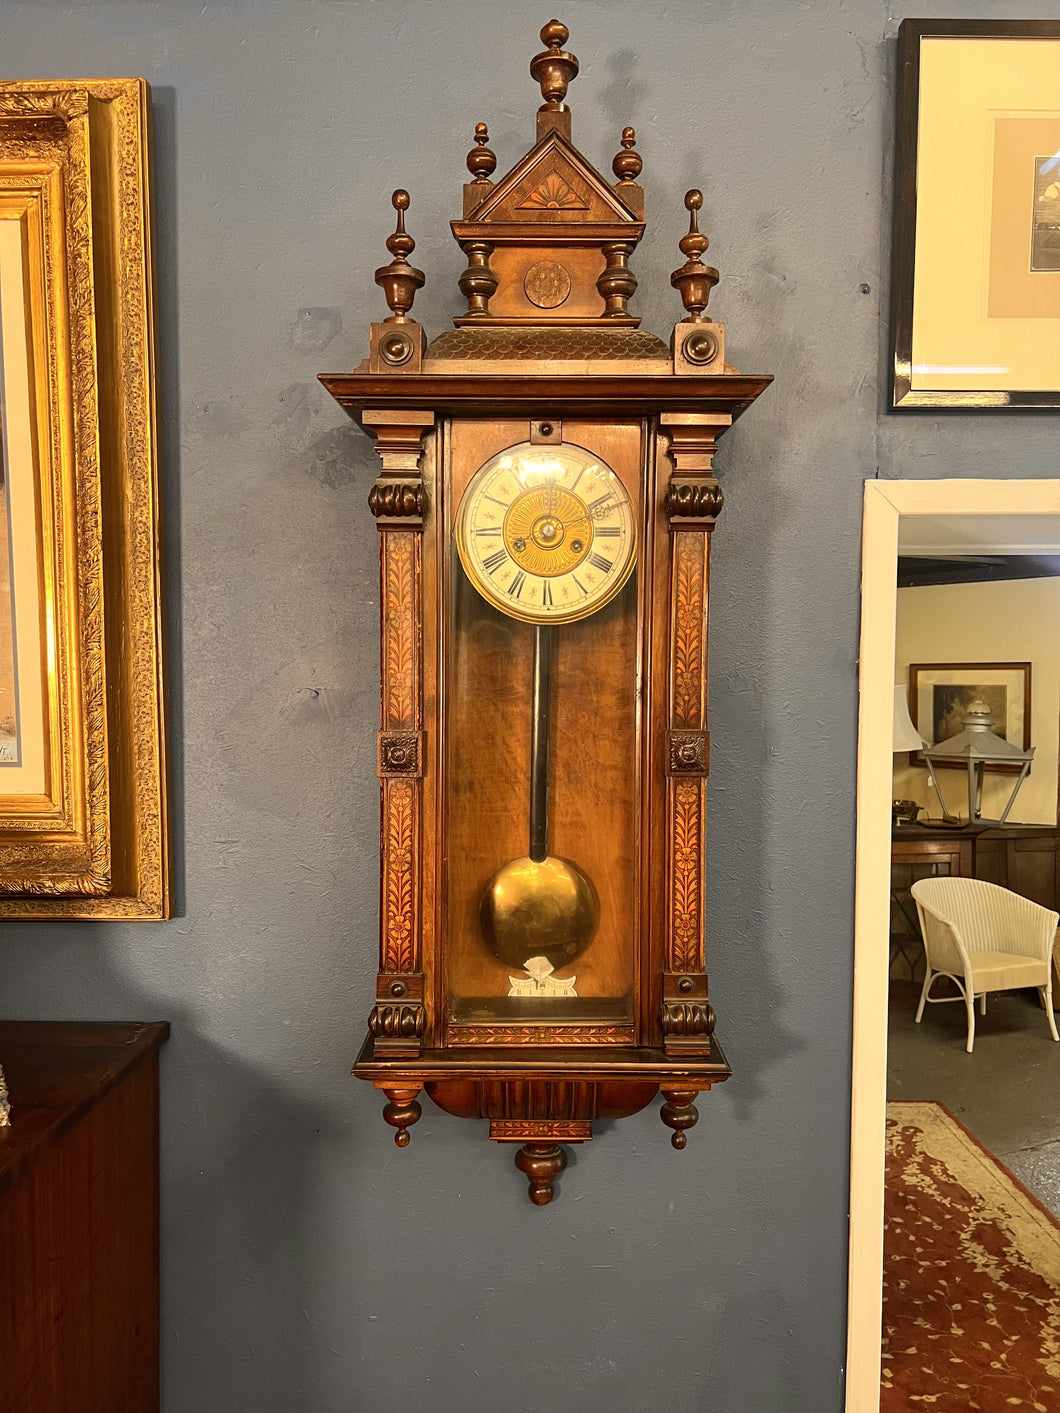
(539, 905)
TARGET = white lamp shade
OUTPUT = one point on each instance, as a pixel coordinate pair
(906, 736)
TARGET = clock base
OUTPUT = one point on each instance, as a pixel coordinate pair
(540, 1099)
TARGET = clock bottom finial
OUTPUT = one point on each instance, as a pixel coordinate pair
(542, 1163)
(401, 1111)
(679, 1113)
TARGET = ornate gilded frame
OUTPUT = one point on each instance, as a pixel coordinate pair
(88, 838)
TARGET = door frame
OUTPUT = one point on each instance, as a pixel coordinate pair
(886, 503)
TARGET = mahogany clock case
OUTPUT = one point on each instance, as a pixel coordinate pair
(588, 736)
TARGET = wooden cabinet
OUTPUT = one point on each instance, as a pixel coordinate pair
(1023, 857)
(930, 855)
(79, 1315)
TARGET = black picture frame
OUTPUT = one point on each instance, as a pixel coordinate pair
(903, 273)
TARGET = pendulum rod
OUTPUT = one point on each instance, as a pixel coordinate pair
(542, 711)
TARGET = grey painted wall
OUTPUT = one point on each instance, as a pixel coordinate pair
(308, 1265)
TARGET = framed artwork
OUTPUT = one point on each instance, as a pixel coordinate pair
(82, 780)
(975, 294)
(940, 694)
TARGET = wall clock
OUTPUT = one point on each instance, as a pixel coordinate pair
(545, 502)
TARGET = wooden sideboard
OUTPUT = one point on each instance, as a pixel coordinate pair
(1022, 857)
(79, 1314)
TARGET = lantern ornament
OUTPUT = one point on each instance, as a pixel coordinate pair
(977, 746)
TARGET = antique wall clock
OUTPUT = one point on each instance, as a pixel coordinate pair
(545, 503)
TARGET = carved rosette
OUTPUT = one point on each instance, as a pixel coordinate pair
(400, 753)
(689, 753)
(398, 1022)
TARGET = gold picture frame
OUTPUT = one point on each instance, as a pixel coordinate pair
(975, 289)
(83, 830)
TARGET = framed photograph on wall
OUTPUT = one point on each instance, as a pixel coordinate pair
(940, 694)
(975, 292)
(82, 761)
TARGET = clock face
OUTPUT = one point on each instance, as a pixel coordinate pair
(546, 533)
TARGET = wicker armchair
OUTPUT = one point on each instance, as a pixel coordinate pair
(986, 939)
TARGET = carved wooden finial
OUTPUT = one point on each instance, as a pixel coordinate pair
(398, 280)
(481, 162)
(694, 279)
(553, 70)
(628, 164)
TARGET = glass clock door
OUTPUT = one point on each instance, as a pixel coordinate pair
(541, 725)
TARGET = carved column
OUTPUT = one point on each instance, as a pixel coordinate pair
(693, 503)
(398, 501)
(617, 283)
(478, 283)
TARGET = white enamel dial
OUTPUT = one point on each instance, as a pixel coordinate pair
(546, 533)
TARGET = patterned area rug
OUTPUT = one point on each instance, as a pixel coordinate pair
(971, 1276)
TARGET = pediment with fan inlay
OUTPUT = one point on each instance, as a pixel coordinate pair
(552, 183)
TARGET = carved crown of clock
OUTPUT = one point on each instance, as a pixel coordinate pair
(545, 502)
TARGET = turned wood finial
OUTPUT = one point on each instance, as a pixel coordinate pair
(694, 279)
(398, 280)
(542, 1163)
(679, 1113)
(481, 162)
(553, 70)
(627, 164)
(401, 1111)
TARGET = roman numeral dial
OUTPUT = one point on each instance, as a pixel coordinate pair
(546, 533)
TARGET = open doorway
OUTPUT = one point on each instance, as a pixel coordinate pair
(971, 518)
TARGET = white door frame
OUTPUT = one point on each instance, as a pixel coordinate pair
(885, 503)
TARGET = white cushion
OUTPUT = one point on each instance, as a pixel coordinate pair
(1001, 971)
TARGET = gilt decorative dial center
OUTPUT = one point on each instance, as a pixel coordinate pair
(546, 533)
